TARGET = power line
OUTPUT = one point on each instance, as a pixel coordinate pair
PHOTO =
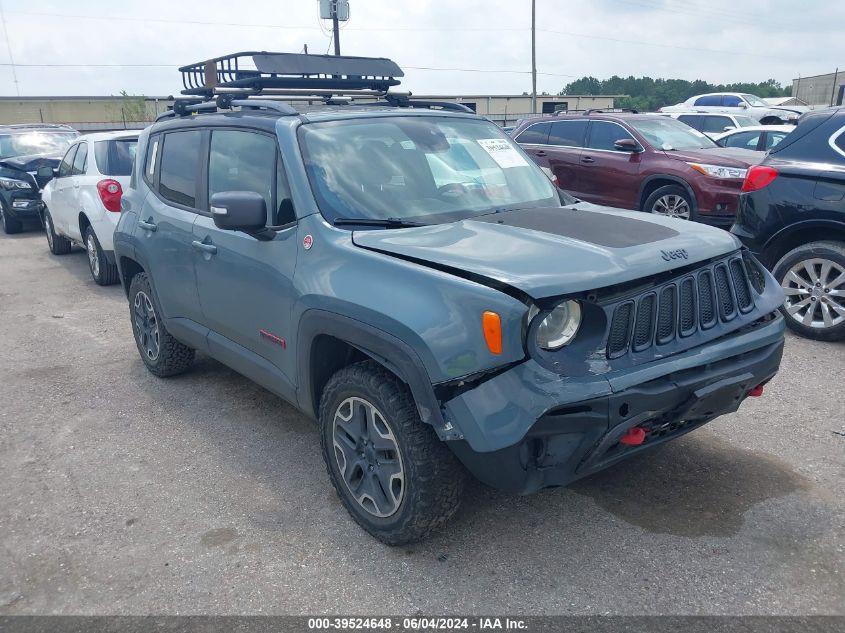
(9, 49)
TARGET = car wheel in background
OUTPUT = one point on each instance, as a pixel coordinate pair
(162, 354)
(671, 201)
(394, 475)
(104, 273)
(58, 245)
(813, 279)
(8, 224)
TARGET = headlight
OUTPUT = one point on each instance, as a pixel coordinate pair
(12, 183)
(560, 326)
(719, 171)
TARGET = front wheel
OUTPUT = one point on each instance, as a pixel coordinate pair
(9, 224)
(813, 279)
(393, 474)
(103, 272)
(671, 201)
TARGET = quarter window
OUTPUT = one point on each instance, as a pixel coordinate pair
(80, 161)
(242, 161)
(603, 135)
(568, 133)
(67, 162)
(152, 156)
(537, 134)
(180, 160)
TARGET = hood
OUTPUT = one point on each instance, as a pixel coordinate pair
(31, 162)
(554, 251)
(727, 156)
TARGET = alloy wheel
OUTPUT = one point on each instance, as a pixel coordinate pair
(368, 457)
(815, 293)
(146, 325)
(672, 206)
(93, 259)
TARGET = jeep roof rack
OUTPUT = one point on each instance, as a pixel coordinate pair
(216, 84)
(261, 72)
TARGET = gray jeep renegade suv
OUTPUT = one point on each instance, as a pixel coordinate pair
(406, 275)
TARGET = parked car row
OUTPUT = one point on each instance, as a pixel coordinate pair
(739, 104)
(412, 280)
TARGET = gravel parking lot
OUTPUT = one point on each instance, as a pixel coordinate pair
(125, 493)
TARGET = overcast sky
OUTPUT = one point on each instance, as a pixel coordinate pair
(716, 40)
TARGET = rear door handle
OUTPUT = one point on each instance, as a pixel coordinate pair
(149, 226)
(540, 153)
(211, 249)
(588, 159)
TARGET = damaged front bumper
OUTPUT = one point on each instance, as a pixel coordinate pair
(529, 428)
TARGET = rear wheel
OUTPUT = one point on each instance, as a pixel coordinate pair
(671, 201)
(393, 474)
(104, 273)
(162, 354)
(813, 279)
(9, 224)
(58, 245)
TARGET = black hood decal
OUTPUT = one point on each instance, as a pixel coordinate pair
(612, 231)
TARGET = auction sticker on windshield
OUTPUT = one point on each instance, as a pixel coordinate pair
(502, 152)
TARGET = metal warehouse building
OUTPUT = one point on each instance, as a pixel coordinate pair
(116, 113)
(821, 89)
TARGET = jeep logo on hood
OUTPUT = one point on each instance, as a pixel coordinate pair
(679, 253)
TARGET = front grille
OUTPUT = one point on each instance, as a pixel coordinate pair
(698, 301)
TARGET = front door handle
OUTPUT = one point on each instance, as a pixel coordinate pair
(211, 249)
(149, 225)
(540, 153)
(588, 159)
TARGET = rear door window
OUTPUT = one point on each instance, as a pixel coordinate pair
(708, 100)
(604, 134)
(179, 170)
(747, 140)
(537, 134)
(693, 121)
(731, 101)
(80, 161)
(568, 133)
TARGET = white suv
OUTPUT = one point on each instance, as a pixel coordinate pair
(713, 124)
(82, 201)
(739, 103)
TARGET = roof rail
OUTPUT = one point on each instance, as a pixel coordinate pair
(255, 72)
(609, 111)
(187, 107)
(405, 101)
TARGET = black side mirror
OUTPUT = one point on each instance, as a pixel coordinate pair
(626, 145)
(239, 211)
(46, 172)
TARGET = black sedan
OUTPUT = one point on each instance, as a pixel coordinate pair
(792, 216)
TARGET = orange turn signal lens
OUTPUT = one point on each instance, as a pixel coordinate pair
(492, 325)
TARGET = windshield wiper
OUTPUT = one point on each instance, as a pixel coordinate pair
(389, 223)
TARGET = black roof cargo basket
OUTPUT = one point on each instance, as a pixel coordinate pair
(285, 73)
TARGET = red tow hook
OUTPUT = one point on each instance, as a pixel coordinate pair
(633, 436)
(756, 392)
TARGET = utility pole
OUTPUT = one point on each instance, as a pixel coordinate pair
(533, 56)
(833, 90)
(9, 49)
(335, 28)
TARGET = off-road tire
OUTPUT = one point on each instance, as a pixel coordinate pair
(106, 273)
(434, 479)
(670, 190)
(9, 225)
(173, 357)
(57, 244)
(832, 251)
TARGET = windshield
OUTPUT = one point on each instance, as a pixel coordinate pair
(24, 144)
(424, 169)
(669, 134)
(745, 121)
(755, 101)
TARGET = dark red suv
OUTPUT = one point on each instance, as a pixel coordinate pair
(646, 162)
